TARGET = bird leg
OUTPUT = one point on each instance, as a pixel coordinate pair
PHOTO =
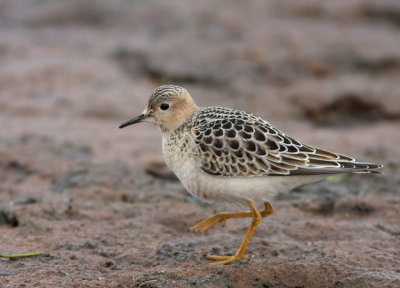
(222, 217)
(254, 213)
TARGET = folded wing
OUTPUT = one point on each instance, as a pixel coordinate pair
(235, 143)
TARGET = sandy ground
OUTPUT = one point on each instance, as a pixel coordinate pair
(98, 202)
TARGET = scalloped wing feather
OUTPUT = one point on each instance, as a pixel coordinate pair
(235, 143)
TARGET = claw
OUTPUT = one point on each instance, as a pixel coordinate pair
(223, 223)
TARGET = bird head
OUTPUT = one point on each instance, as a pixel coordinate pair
(169, 106)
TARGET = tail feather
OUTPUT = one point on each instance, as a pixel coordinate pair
(343, 167)
(325, 162)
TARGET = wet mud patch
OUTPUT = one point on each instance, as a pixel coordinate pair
(141, 63)
(327, 205)
(76, 13)
(387, 64)
(323, 204)
(19, 170)
(9, 213)
(356, 207)
(345, 195)
(350, 62)
(381, 12)
(6, 218)
(348, 109)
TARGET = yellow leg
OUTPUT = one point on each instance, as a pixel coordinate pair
(214, 220)
(254, 213)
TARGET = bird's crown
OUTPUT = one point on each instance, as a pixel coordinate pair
(166, 92)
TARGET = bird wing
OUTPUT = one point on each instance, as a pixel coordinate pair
(235, 143)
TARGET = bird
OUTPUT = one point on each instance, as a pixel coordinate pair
(233, 157)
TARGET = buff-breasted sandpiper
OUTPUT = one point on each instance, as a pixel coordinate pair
(225, 155)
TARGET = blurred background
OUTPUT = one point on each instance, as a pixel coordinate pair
(90, 195)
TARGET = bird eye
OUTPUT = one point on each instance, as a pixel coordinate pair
(164, 106)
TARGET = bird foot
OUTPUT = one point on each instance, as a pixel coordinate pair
(226, 259)
(209, 222)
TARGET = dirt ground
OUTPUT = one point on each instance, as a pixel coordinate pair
(99, 203)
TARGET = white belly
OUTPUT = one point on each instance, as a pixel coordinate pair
(229, 190)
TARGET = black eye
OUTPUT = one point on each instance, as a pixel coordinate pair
(164, 106)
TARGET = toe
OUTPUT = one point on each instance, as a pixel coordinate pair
(226, 259)
(216, 257)
(207, 224)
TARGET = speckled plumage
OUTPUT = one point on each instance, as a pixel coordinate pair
(233, 157)
(235, 143)
(225, 146)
